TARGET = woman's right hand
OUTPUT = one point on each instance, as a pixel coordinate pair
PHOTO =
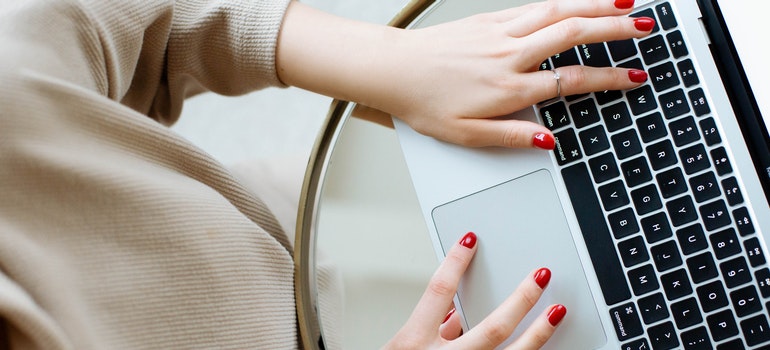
(433, 325)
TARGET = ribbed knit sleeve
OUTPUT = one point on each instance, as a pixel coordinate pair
(115, 233)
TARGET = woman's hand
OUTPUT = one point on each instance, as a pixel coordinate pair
(454, 80)
(431, 326)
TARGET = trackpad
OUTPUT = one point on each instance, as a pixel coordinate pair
(521, 227)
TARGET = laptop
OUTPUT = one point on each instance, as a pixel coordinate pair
(653, 210)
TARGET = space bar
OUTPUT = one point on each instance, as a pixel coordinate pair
(597, 237)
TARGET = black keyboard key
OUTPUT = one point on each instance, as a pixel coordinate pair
(687, 73)
(555, 115)
(584, 113)
(647, 13)
(684, 131)
(702, 267)
(616, 116)
(625, 318)
(735, 272)
(661, 154)
(594, 140)
(656, 227)
(673, 104)
(676, 284)
(735, 344)
(699, 104)
(653, 50)
(754, 252)
(746, 301)
(722, 325)
(691, 239)
(665, 16)
(712, 296)
(686, 313)
(681, 211)
(696, 339)
(709, 130)
(613, 195)
(755, 330)
(664, 76)
(653, 308)
(604, 168)
(643, 280)
(566, 58)
(721, 162)
(732, 191)
(567, 148)
(646, 199)
(763, 281)
(743, 221)
(607, 96)
(676, 44)
(651, 127)
(633, 251)
(641, 100)
(594, 55)
(694, 159)
(545, 65)
(632, 64)
(663, 336)
(636, 344)
(626, 144)
(636, 171)
(725, 243)
(705, 187)
(622, 49)
(666, 256)
(671, 182)
(623, 224)
(601, 247)
(715, 215)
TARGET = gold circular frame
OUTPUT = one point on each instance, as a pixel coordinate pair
(304, 243)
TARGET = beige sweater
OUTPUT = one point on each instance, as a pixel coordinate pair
(115, 233)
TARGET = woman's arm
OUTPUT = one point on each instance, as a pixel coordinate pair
(448, 80)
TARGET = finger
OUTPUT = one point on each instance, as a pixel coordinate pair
(499, 325)
(575, 31)
(574, 80)
(451, 329)
(431, 309)
(504, 133)
(550, 12)
(538, 333)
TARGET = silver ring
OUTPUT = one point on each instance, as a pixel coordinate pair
(557, 77)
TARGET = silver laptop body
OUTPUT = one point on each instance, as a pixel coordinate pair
(652, 212)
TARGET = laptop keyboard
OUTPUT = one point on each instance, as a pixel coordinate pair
(658, 201)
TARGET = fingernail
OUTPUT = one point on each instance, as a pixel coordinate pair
(637, 76)
(542, 277)
(544, 141)
(469, 240)
(556, 314)
(448, 315)
(644, 24)
(624, 4)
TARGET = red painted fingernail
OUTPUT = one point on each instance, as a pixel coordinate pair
(542, 277)
(469, 240)
(637, 76)
(544, 141)
(644, 24)
(448, 315)
(556, 314)
(624, 4)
